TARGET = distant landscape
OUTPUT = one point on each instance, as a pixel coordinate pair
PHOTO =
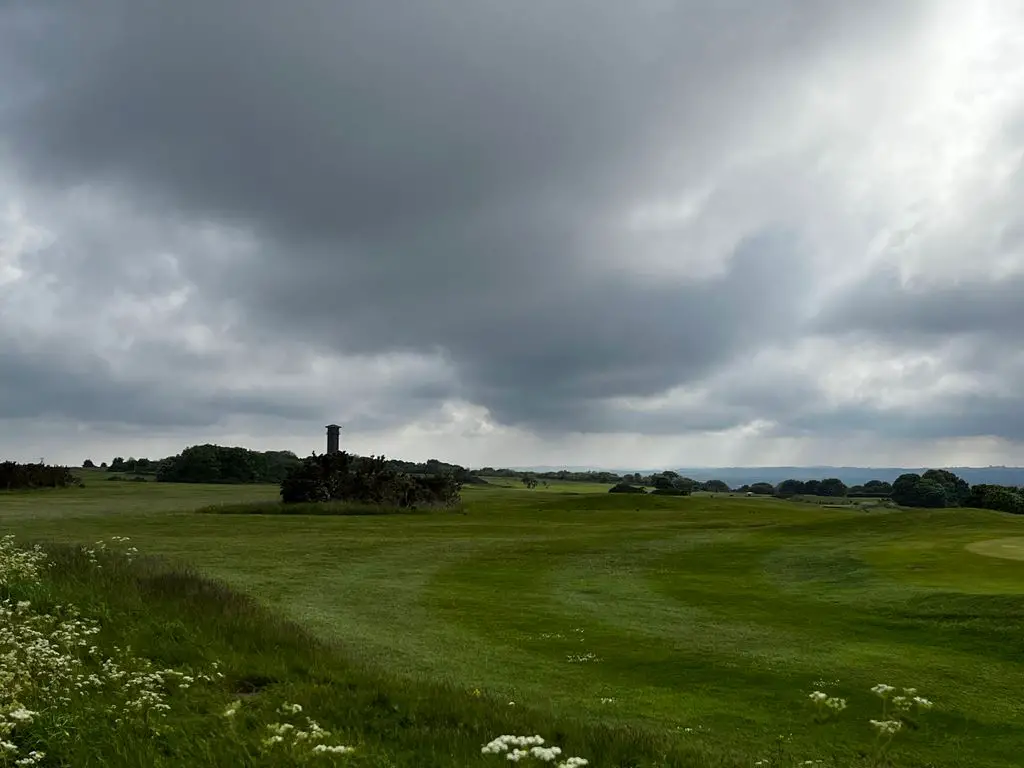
(419, 614)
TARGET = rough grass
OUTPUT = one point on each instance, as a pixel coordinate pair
(709, 620)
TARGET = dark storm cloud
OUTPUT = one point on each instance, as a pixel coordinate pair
(953, 416)
(47, 381)
(880, 305)
(436, 177)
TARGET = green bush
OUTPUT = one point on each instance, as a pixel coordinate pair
(625, 488)
(366, 480)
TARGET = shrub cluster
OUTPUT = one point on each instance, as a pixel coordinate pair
(998, 497)
(14, 476)
(625, 488)
(367, 480)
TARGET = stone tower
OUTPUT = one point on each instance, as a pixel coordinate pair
(333, 438)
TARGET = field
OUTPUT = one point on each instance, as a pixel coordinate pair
(701, 622)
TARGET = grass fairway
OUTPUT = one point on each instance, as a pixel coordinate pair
(705, 619)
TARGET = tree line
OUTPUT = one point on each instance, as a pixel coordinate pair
(210, 463)
(17, 477)
(934, 489)
(207, 463)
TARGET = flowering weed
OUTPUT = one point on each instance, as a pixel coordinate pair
(519, 748)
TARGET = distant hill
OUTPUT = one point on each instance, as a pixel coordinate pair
(737, 476)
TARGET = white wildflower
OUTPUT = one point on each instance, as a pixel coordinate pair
(332, 750)
(887, 727)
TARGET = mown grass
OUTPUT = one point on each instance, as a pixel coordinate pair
(709, 619)
(321, 508)
(260, 662)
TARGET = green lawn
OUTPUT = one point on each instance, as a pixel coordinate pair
(705, 619)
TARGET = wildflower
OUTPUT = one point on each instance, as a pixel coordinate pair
(335, 750)
(547, 754)
(835, 703)
(882, 690)
(518, 747)
(232, 709)
(887, 727)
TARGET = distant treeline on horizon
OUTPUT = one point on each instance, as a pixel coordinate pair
(210, 463)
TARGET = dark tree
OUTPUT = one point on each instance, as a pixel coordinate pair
(912, 490)
(14, 476)
(790, 488)
(715, 486)
(87, 464)
(996, 497)
(956, 489)
(832, 486)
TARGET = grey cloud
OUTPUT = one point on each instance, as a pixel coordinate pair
(445, 178)
(420, 179)
(952, 417)
(881, 305)
(356, 122)
(48, 381)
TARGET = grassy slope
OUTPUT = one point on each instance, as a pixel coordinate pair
(182, 621)
(716, 615)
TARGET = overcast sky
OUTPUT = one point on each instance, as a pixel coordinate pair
(579, 232)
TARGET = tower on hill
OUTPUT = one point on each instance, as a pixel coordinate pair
(333, 438)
